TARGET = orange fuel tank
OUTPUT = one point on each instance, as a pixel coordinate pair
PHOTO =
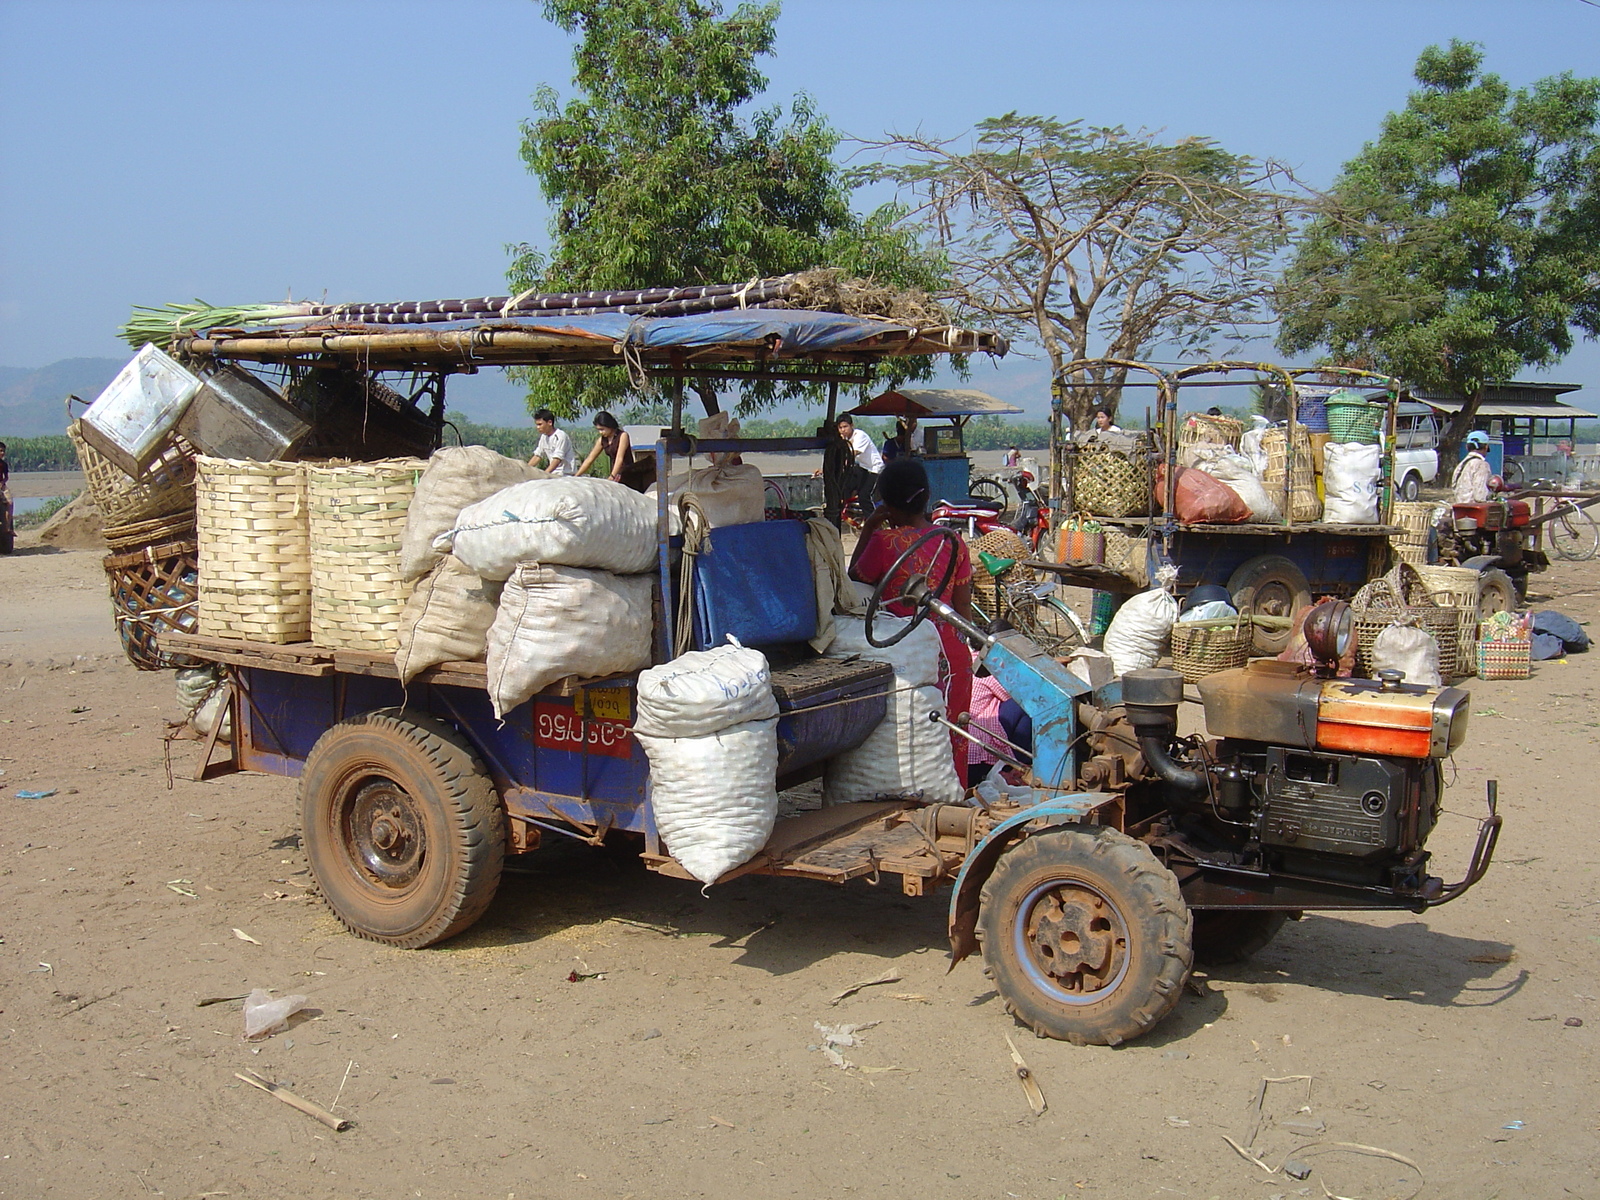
(1405, 720)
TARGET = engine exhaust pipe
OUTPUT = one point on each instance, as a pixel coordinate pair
(1151, 700)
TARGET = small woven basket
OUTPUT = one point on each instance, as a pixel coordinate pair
(1501, 657)
(155, 590)
(1081, 539)
(1303, 502)
(1416, 520)
(255, 555)
(1127, 554)
(358, 519)
(166, 487)
(1352, 419)
(1312, 413)
(1385, 600)
(1201, 427)
(1201, 648)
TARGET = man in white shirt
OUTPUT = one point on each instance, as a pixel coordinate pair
(861, 443)
(555, 445)
(1471, 480)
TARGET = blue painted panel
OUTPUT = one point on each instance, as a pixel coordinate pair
(755, 583)
(948, 479)
(1331, 562)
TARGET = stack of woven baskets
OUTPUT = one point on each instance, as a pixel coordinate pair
(291, 552)
(1303, 503)
(151, 572)
(1416, 519)
(1401, 597)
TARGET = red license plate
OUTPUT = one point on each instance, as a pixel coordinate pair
(559, 727)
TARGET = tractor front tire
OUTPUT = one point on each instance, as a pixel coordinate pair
(402, 826)
(1086, 935)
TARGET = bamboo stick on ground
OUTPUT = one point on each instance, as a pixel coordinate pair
(337, 1124)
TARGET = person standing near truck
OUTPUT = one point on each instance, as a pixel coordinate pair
(1470, 483)
(555, 446)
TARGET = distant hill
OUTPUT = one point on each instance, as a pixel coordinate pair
(32, 402)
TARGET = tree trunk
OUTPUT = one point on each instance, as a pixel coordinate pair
(1456, 432)
(706, 389)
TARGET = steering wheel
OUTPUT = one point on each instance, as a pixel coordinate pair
(916, 588)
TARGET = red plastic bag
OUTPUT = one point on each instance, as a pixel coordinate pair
(1202, 499)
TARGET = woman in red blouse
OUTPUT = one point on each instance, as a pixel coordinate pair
(899, 520)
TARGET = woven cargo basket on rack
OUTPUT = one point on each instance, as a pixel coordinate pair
(1127, 553)
(1351, 419)
(255, 555)
(166, 487)
(358, 519)
(1201, 648)
(1311, 413)
(1202, 427)
(1001, 544)
(1384, 601)
(1416, 519)
(1303, 505)
(154, 590)
(1110, 482)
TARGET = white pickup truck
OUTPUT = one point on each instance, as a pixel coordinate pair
(1416, 454)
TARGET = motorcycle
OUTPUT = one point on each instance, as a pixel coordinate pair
(981, 514)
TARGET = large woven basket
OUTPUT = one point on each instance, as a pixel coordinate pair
(1303, 502)
(255, 555)
(1128, 554)
(358, 518)
(1416, 519)
(1201, 648)
(1201, 427)
(1386, 601)
(166, 487)
(1108, 482)
(1456, 588)
(154, 590)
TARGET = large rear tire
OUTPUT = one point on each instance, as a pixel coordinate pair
(402, 827)
(1270, 586)
(1086, 935)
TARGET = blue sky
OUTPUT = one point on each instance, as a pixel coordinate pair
(244, 150)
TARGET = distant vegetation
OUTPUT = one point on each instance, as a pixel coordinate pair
(32, 520)
(53, 453)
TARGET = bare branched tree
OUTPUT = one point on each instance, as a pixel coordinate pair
(1098, 243)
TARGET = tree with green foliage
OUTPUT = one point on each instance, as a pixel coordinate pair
(1464, 244)
(1097, 242)
(658, 178)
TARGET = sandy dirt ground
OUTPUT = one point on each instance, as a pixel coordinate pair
(682, 1060)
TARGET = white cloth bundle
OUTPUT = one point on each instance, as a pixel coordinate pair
(915, 657)
(455, 477)
(1140, 630)
(908, 755)
(569, 521)
(704, 691)
(1350, 483)
(555, 621)
(715, 797)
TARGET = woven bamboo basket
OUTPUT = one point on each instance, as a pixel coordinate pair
(1127, 554)
(135, 535)
(255, 554)
(358, 518)
(166, 487)
(155, 590)
(1201, 427)
(1456, 588)
(1502, 653)
(1352, 420)
(1416, 519)
(1386, 600)
(1000, 543)
(1303, 502)
(1109, 482)
(1201, 648)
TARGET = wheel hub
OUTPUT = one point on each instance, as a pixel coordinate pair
(1076, 938)
(1273, 600)
(384, 833)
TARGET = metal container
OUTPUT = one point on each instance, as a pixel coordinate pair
(236, 415)
(132, 421)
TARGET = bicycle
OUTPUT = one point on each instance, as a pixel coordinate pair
(1571, 532)
(1033, 608)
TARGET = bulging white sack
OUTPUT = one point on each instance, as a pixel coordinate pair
(729, 494)
(555, 621)
(1350, 483)
(455, 477)
(1235, 470)
(906, 755)
(447, 619)
(915, 657)
(1409, 650)
(570, 521)
(715, 797)
(1139, 632)
(704, 691)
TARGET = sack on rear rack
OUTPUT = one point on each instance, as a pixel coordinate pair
(555, 621)
(704, 691)
(1350, 483)
(715, 797)
(729, 493)
(915, 658)
(573, 522)
(907, 755)
(455, 477)
(447, 619)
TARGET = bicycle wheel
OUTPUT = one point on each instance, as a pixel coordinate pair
(1049, 623)
(1574, 535)
(988, 488)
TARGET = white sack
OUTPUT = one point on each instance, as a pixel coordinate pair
(571, 521)
(1350, 483)
(1250, 444)
(1409, 650)
(704, 691)
(906, 755)
(1237, 471)
(455, 477)
(1211, 610)
(1139, 632)
(447, 619)
(915, 657)
(715, 797)
(559, 621)
(728, 494)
